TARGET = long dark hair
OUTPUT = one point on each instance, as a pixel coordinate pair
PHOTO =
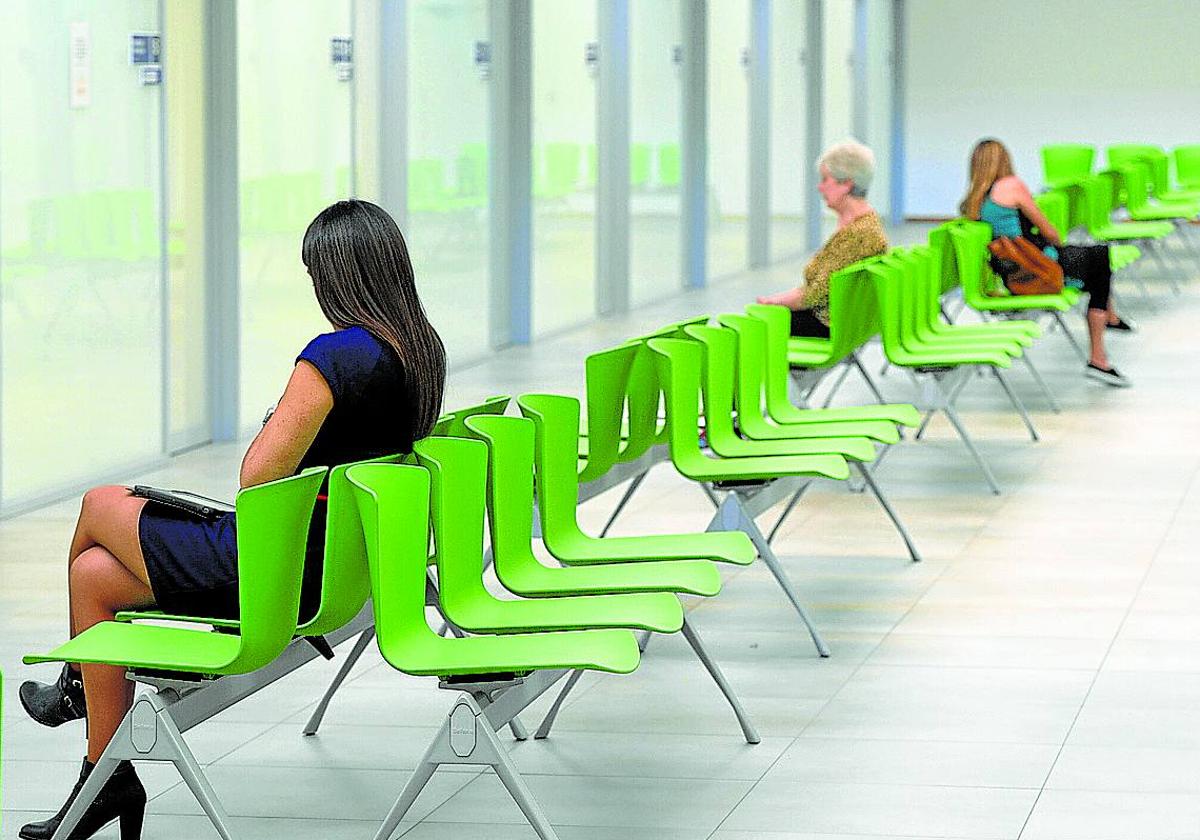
(362, 276)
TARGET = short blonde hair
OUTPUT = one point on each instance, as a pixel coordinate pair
(850, 161)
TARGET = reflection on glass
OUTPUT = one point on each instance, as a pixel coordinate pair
(293, 159)
(790, 171)
(80, 253)
(564, 163)
(654, 163)
(728, 130)
(447, 228)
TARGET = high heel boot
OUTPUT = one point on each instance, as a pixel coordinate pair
(53, 704)
(122, 797)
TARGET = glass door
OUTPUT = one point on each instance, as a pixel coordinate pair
(81, 337)
(565, 55)
(728, 135)
(294, 158)
(655, 232)
(448, 218)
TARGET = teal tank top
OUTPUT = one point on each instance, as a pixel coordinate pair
(1006, 221)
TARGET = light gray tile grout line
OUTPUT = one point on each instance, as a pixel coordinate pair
(966, 547)
(1107, 652)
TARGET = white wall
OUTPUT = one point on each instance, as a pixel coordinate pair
(1094, 71)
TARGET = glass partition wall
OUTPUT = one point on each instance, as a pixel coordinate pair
(655, 234)
(447, 228)
(564, 161)
(294, 131)
(791, 172)
(728, 135)
(81, 258)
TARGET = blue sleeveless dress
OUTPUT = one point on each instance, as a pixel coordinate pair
(192, 564)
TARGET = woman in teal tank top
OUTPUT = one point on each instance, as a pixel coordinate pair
(997, 196)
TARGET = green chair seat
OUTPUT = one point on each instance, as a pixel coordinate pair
(555, 418)
(510, 442)
(393, 502)
(273, 521)
(458, 468)
(680, 370)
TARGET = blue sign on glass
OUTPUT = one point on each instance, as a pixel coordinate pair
(145, 48)
(341, 50)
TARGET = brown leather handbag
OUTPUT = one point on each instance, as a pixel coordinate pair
(1024, 268)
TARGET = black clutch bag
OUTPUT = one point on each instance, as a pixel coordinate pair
(194, 504)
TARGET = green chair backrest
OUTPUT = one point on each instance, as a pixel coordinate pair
(1135, 178)
(509, 443)
(458, 483)
(717, 368)
(555, 420)
(393, 506)
(1056, 205)
(639, 164)
(272, 534)
(345, 577)
(1121, 154)
(669, 169)
(775, 363)
(1187, 165)
(451, 424)
(751, 370)
(607, 378)
(644, 396)
(968, 242)
(1097, 202)
(679, 363)
(1066, 161)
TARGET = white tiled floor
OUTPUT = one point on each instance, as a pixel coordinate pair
(1037, 676)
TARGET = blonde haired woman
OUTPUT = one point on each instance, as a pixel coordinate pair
(997, 196)
(846, 170)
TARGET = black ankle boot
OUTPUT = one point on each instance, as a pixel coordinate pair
(122, 797)
(57, 703)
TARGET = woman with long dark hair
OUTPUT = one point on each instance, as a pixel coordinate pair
(997, 196)
(369, 388)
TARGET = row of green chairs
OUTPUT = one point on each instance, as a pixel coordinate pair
(1067, 163)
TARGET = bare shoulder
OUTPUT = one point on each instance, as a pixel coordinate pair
(1008, 188)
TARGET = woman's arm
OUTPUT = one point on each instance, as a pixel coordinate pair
(791, 298)
(1023, 199)
(278, 448)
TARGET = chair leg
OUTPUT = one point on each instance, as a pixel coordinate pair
(953, 398)
(468, 736)
(732, 516)
(633, 486)
(1075, 345)
(1017, 404)
(148, 733)
(887, 508)
(543, 731)
(948, 409)
(787, 510)
(314, 722)
(1041, 383)
(857, 362)
(748, 730)
(836, 385)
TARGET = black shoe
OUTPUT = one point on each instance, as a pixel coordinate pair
(122, 797)
(58, 703)
(1108, 377)
(1121, 326)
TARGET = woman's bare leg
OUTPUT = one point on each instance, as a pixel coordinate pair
(102, 585)
(109, 518)
(1096, 321)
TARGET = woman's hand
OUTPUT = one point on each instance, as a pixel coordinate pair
(290, 430)
(791, 298)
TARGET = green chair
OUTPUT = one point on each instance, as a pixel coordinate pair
(851, 312)
(1187, 166)
(427, 192)
(510, 498)
(945, 370)
(1138, 204)
(181, 664)
(719, 367)
(458, 467)
(639, 165)
(669, 168)
(555, 420)
(1098, 195)
(742, 480)
(1066, 163)
(497, 676)
(967, 242)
